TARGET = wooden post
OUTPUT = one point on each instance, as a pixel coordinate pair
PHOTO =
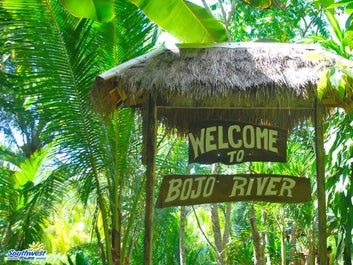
(320, 182)
(149, 116)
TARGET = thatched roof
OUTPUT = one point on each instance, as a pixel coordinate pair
(254, 82)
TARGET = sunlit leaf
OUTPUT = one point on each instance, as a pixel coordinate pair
(335, 26)
(338, 4)
(335, 76)
(348, 73)
(349, 8)
(99, 10)
(349, 37)
(341, 87)
(338, 81)
(186, 21)
(325, 3)
(323, 84)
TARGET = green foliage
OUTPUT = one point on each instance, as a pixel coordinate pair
(259, 3)
(29, 193)
(88, 251)
(79, 260)
(285, 22)
(239, 251)
(53, 60)
(174, 16)
(50, 59)
(177, 16)
(99, 10)
(339, 79)
(339, 41)
(339, 181)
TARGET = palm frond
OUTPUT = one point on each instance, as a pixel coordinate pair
(54, 59)
(29, 194)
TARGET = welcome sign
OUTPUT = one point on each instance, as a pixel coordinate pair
(179, 190)
(236, 142)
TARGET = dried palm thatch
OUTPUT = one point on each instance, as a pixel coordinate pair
(264, 83)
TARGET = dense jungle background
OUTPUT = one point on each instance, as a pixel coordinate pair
(73, 180)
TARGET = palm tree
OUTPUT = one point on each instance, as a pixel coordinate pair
(53, 59)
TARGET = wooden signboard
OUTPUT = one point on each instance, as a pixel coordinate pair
(178, 190)
(235, 142)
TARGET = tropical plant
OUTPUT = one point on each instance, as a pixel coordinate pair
(49, 61)
(339, 81)
(339, 183)
(279, 22)
(53, 58)
(175, 16)
(26, 189)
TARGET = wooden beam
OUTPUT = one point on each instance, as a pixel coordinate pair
(149, 159)
(320, 182)
(243, 107)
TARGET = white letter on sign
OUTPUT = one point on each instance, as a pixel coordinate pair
(238, 185)
(287, 185)
(197, 193)
(198, 143)
(273, 135)
(186, 190)
(209, 186)
(173, 190)
(271, 187)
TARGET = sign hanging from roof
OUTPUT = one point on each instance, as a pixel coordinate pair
(179, 190)
(236, 142)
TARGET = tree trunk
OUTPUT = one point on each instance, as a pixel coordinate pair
(293, 243)
(227, 223)
(258, 253)
(217, 232)
(265, 239)
(149, 126)
(311, 256)
(283, 236)
(182, 236)
(100, 245)
(216, 225)
(320, 182)
(115, 199)
(347, 256)
(283, 247)
(116, 237)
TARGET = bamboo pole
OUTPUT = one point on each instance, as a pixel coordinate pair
(320, 182)
(149, 159)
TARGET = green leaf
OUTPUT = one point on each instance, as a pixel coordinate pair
(338, 81)
(69, 260)
(349, 37)
(186, 21)
(335, 26)
(338, 4)
(349, 8)
(259, 3)
(323, 84)
(326, 3)
(80, 259)
(99, 10)
(348, 73)
(341, 87)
